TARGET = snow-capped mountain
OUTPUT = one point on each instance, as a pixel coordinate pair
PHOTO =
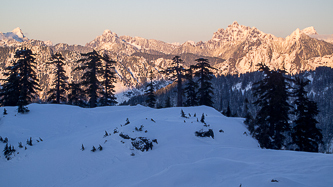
(240, 46)
(129, 45)
(16, 38)
(234, 50)
(11, 38)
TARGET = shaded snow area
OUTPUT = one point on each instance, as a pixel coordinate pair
(175, 156)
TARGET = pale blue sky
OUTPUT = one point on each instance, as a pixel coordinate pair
(80, 21)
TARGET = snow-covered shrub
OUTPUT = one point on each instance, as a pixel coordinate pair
(127, 122)
(8, 151)
(202, 133)
(125, 136)
(82, 148)
(29, 142)
(142, 144)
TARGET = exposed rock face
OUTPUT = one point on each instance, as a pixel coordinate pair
(234, 50)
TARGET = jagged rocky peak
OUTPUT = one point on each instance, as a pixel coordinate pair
(108, 32)
(310, 31)
(234, 32)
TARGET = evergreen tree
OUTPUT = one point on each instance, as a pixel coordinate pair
(150, 92)
(190, 88)
(177, 73)
(57, 93)
(305, 134)
(28, 82)
(10, 90)
(272, 99)
(167, 102)
(108, 72)
(204, 79)
(228, 112)
(76, 95)
(92, 67)
(248, 118)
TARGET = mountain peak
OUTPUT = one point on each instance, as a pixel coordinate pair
(109, 32)
(310, 31)
(18, 32)
(235, 23)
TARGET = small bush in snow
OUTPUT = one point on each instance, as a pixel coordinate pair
(106, 134)
(202, 133)
(182, 114)
(29, 142)
(125, 136)
(127, 122)
(20, 145)
(100, 148)
(5, 140)
(82, 148)
(115, 131)
(93, 149)
(1, 140)
(155, 141)
(221, 130)
(142, 144)
(139, 129)
(202, 120)
(8, 151)
(153, 120)
(5, 112)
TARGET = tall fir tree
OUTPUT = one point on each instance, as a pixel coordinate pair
(177, 73)
(76, 95)
(305, 135)
(10, 89)
(204, 75)
(271, 121)
(57, 94)
(190, 89)
(228, 112)
(151, 100)
(108, 74)
(26, 80)
(92, 67)
(167, 102)
(248, 117)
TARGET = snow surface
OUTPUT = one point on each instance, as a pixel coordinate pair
(179, 159)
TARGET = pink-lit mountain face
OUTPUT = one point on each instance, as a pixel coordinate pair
(234, 50)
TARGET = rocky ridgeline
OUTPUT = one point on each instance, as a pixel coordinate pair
(234, 50)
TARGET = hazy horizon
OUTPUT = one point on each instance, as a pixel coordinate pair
(79, 22)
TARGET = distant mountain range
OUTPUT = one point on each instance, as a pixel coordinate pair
(234, 50)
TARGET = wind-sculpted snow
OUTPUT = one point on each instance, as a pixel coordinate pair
(179, 158)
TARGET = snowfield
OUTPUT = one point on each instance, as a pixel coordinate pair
(179, 158)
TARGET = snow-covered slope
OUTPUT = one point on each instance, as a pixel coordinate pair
(179, 159)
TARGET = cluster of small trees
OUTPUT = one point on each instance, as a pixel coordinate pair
(96, 89)
(198, 87)
(271, 125)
